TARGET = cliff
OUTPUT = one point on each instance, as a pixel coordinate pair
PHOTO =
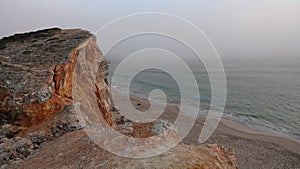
(36, 87)
(37, 74)
(39, 127)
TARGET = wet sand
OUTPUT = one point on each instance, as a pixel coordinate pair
(253, 148)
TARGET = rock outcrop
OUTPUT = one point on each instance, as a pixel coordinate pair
(36, 82)
(37, 74)
(47, 78)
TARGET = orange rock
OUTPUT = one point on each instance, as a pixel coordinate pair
(37, 70)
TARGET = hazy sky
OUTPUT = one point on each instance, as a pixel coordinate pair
(238, 28)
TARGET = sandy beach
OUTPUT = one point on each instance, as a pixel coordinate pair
(253, 148)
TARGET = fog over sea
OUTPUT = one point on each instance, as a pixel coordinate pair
(265, 96)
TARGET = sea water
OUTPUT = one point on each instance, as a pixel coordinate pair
(263, 96)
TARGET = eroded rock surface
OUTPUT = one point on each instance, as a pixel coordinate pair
(37, 73)
(36, 85)
(77, 150)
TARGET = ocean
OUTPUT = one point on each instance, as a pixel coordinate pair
(264, 96)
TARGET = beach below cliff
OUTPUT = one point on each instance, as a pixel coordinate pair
(253, 148)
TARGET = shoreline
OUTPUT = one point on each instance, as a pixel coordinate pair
(254, 148)
(249, 127)
(237, 128)
(245, 131)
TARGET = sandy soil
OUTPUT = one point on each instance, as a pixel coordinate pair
(254, 149)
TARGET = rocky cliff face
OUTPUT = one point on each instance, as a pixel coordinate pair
(36, 87)
(37, 72)
(42, 79)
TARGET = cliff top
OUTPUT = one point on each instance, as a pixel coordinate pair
(23, 54)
